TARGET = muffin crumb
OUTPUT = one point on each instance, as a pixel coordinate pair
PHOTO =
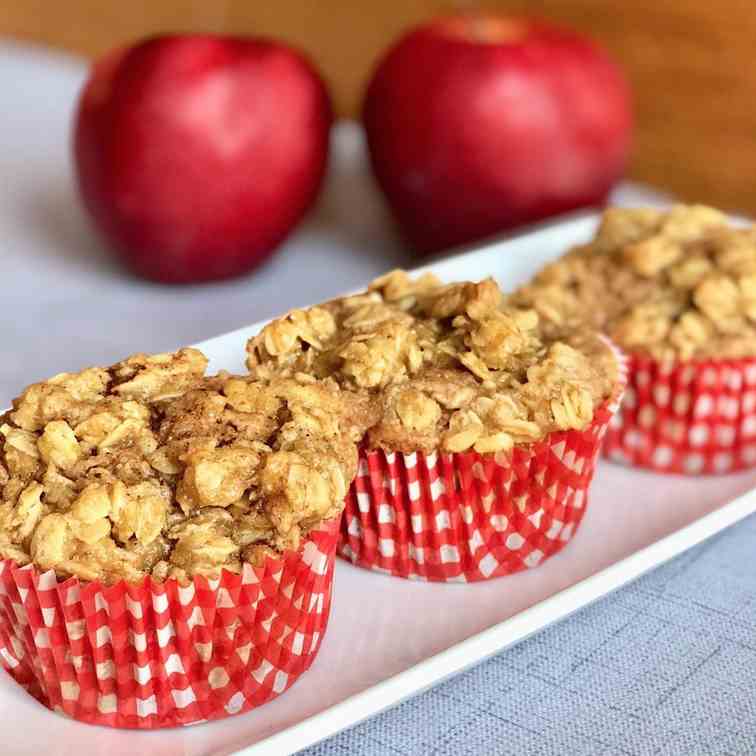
(675, 285)
(450, 367)
(149, 468)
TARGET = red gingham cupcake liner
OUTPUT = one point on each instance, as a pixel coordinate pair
(688, 417)
(153, 655)
(465, 517)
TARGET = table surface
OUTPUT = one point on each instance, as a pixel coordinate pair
(667, 665)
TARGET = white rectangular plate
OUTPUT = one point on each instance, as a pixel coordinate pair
(389, 638)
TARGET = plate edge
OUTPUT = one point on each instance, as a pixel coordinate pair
(466, 654)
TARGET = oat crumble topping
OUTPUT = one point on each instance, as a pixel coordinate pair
(441, 366)
(679, 284)
(148, 467)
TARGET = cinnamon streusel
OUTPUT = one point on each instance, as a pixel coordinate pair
(674, 285)
(442, 366)
(149, 468)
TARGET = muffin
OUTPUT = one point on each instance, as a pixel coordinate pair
(676, 290)
(167, 540)
(480, 432)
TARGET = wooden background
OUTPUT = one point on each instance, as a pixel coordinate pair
(692, 63)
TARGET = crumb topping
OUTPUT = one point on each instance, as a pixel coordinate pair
(441, 366)
(149, 468)
(679, 284)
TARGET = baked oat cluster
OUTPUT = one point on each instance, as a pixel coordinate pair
(149, 468)
(441, 366)
(679, 284)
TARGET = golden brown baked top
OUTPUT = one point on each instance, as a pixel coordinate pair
(679, 284)
(441, 366)
(147, 467)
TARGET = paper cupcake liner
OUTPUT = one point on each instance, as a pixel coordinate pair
(465, 517)
(153, 655)
(689, 417)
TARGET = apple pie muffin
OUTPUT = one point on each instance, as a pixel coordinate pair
(451, 380)
(676, 289)
(166, 494)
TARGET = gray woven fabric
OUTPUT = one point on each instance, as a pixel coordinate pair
(667, 665)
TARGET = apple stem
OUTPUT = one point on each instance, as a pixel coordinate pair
(493, 29)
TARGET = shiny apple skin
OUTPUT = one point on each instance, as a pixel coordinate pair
(197, 155)
(471, 137)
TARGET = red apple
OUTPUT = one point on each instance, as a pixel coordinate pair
(479, 122)
(196, 155)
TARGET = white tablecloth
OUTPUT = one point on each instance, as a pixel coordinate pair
(66, 303)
